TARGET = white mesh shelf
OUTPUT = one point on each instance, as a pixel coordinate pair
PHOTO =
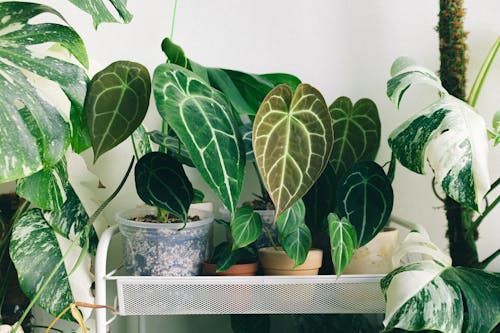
(233, 295)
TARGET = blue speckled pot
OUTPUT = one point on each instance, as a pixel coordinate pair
(160, 249)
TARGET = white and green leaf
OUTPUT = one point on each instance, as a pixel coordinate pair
(116, 104)
(448, 133)
(290, 220)
(161, 181)
(33, 134)
(100, 13)
(37, 250)
(141, 142)
(343, 242)
(246, 227)
(496, 127)
(292, 141)
(365, 198)
(204, 122)
(357, 132)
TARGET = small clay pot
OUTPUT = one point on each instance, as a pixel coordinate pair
(376, 256)
(235, 270)
(277, 262)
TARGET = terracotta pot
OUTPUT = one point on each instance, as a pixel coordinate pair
(249, 269)
(278, 263)
(376, 256)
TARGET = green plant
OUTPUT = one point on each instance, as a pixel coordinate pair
(453, 138)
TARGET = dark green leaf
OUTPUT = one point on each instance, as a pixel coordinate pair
(198, 196)
(282, 78)
(116, 104)
(246, 135)
(204, 122)
(357, 132)
(225, 257)
(292, 141)
(342, 241)
(290, 220)
(365, 198)
(246, 227)
(175, 148)
(174, 53)
(161, 181)
(297, 244)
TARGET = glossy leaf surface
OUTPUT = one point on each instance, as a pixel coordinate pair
(357, 132)
(116, 104)
(365, 198)
(175, 148)
(141, 142)
(246, 227)
(161, 181)
(100, 13)
(343, 241)
(33, 134)
(204, 122)
(292, 141)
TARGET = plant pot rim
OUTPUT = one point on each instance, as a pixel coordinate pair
(123, 218)
(247, 267)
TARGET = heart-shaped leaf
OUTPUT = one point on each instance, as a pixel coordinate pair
(225, 257)
(320, 200)
(116, 104)
(36, 251)
(174, 53)
(357, 132)
(99, 10)
(290, 220)
(33, 134)
(365, 198)
(292, 141)
(204, 122)
(246, 227)
(448, 133)
(343, 242)
(297, 244)
(161, 181)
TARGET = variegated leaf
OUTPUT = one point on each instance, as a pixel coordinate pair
(452, 138)
(365, 198)
(161, 181)
(141, 142)
(357, 132)
(343, 242)
(246, 227)
(100, 13)
(175, 148)
(116, 104)
(36, 251)
(292, 141)
(33, 135)
(448, 133)
(496, 127)
(404, 74)
(204, 122)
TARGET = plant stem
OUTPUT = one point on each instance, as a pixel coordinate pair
(173, 20)
(268, 234)
(483, 264)
(112, 196)
(480, 219)
(493, 186)
(483, 73)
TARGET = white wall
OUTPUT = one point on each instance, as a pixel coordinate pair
(341, 47)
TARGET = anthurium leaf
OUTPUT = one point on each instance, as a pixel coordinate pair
(174, 53)
(198, 196)
(428, 296)
(116, 104)
(36, 251)
(282, 78)
(175, 148)
(225, 257)
(343, 241)
(246, 227)
(33, 135)
(357, 132)
(452, 137)
(246, 135)
(321, 200)
(404, 74)
(141, 142)
(100, 13)
(290, 220)
(297, 244)
(292, 141)
(161, 181)
(45, 189)
(365, 198)
(204, 122)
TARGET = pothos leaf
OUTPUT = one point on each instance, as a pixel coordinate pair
(204, 122)
(343, 242)
(116, 104)
(357, 132)
(448, 133)
(246, 227)
(365, 198)
(36, 250)
(292, 141)
(161, 181)
(33, 135)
